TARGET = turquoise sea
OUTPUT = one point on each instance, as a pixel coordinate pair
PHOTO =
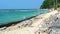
(7, 16)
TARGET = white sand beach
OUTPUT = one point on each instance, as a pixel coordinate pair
(37, 25)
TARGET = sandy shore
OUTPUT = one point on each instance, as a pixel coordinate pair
(31, 26)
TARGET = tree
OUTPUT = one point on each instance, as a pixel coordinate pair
(50, 4)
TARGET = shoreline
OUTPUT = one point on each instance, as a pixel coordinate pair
(16, 22)
(10, 23)
(33, 25)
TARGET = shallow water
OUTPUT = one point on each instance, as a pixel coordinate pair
(16, 15)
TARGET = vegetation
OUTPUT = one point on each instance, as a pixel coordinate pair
(50, 4)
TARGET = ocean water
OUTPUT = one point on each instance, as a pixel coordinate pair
(7, 16)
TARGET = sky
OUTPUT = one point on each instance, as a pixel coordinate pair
(20, 4)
